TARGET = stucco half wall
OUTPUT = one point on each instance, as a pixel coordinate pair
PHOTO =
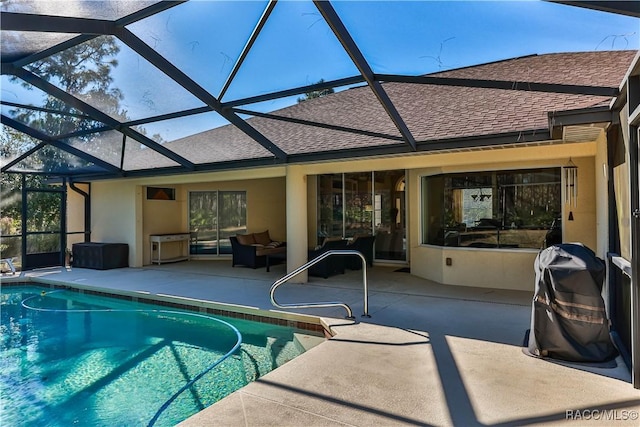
(484, 268)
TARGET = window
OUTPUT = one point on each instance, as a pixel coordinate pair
(213, 217)
(506, 209)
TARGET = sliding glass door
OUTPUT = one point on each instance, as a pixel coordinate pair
(365, 203)
(389, 215)
(213, 217)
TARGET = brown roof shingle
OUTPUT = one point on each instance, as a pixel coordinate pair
(431, 112)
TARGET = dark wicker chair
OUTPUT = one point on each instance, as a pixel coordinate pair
(245, 255)
(364, 245)
(332, 265)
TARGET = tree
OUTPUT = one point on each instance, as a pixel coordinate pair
(83, 71)
(316, 93)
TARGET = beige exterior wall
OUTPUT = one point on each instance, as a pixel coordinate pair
(266, 204)
(115, 216)
(500, 268)
(121, 213)
(118, 205)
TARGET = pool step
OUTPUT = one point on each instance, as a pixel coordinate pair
(306, 342)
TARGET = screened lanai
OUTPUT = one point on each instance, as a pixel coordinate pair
(98, 90)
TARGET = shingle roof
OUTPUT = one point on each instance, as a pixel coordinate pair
(431, 112)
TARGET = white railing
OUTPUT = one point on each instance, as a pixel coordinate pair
(339, 252)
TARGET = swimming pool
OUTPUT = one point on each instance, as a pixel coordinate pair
(69, 358)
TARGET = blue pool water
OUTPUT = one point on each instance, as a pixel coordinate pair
(72, 359)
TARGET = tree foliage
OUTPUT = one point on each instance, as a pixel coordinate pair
(316, 93)
(83, 71)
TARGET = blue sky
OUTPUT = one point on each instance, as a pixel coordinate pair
(296, 47)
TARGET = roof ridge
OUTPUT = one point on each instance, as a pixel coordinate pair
(482, 64)
(516, 58)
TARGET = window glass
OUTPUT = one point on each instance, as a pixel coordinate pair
(232, 217)
(389, 212)
(214, 216)
(203, 222)
(364, 203)
(507, 209)
(358, 206)
(330, 219)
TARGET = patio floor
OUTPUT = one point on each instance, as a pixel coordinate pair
(428, 355)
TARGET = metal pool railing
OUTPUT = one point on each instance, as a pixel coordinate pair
(339, 252)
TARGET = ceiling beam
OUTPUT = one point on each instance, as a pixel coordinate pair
(502, 84)
(625, 7)
(151, 10)
(21, 62)
(319, 124)
(21, 127)
(98, 115)
(23, 156)
(56, 24)
(45, 110)
(294, 91)
(247, 47)
(335, 23)
(195, 89)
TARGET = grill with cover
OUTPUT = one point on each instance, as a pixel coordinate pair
(568, 319)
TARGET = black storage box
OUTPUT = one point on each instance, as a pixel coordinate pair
(100, 256)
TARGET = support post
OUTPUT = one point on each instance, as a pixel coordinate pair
(296, 210)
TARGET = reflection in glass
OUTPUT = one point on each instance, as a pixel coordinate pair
(389, 215)
(364, 203)
(203, 222)
(214, 216)
(358, 212)
(511, 209)
(232, 217)
(330, 207)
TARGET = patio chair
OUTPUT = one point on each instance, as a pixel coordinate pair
(364, 245)
(253, 249)
(332, 265)
(245, 255)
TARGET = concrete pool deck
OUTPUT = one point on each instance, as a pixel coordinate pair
(428, 355)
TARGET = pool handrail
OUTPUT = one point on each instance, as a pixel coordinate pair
(314, 261)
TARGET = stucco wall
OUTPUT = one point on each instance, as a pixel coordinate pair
(266, 203)
(501, 268)
(114, 215)
(121, 213)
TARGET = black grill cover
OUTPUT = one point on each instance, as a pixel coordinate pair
(568, 319)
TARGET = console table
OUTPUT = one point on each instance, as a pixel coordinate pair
(160, 239)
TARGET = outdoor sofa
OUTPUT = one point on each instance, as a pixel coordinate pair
(252, 249)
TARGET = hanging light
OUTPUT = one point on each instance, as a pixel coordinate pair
(571, 185)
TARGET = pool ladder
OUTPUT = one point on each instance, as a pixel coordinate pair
(340, 252)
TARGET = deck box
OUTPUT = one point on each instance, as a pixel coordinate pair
(100, 256)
